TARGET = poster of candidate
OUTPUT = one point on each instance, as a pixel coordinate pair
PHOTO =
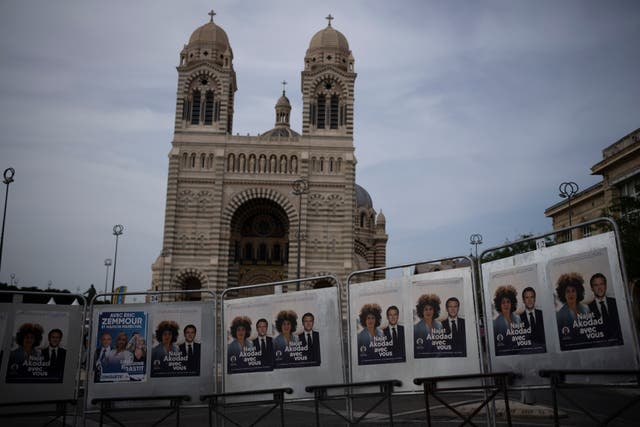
(38, 352)
(176, 342)
(120, 354)
(438, 329)
(586, 306)
(518, 321)
(249, 338)
(297, 341)
(379, 326)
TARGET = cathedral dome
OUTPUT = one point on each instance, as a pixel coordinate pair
(283, 102)
(209, 43)
(363, 199)
(210, 33)
(329, 47)
(328, 39)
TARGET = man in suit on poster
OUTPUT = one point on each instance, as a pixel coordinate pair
(605, 307)
(532, 317)
(264, 343)
(455, 326)
(395, 332)
(310, 337)
(101, 354)
(55, 355)
(191, 349)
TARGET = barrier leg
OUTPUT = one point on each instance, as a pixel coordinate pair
(507, 410)
(554, 398)
(426, 403)
(317, 405)
(388, 390)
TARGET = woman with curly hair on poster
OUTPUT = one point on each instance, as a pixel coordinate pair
(370, 318)
(28, 338)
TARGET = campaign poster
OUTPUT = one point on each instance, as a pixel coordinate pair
(120, 354)
(249, 338)
(176, 335)
(380, 329)
(296, 341)
(518, 320)
(586, 306)
(438, 329)
(39, 348)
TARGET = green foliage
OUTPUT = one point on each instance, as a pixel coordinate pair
(62, 298)
(520, 246)
(626, 211)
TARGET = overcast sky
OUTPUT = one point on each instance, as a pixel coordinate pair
(468, 115)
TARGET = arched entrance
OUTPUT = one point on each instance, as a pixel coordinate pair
(259, 244)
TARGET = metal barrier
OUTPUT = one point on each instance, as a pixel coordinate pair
(558, 383)
(137, 372)
(56, 364)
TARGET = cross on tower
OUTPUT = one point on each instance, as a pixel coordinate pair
(329, 18)
(283, 85)
(211, 14)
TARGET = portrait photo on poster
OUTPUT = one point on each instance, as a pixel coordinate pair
(586, 304)
(176, 349)
(297, 342)
(518, 319)
(439, 330)
(380, 330)
(249, 339)
(120, 352)
(39, 350)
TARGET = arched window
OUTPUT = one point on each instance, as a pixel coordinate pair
(248, 252)
(192, 164)
(195, 108)
(208, 108)
(322, 104)
(339, 165)
(276, 253)
(331, 164)
(262, 252)
(203, 159)
(362, 217)
(313, 164)
(210, 162)
(335, 104)
(185, 160)
(231, 163)
(321, 164)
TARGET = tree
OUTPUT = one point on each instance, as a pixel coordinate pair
(626, 212)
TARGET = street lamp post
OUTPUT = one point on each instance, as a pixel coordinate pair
(568, 190)
(117, 231)
(475, 240)
(107, 263)
(300, 187)
(12, 276)
(8, 179)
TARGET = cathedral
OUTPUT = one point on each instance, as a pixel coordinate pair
(245, 210)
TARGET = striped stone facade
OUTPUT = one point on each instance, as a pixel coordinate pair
(231, 216)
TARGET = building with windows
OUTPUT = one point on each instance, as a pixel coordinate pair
(232, 215)
(620, 171)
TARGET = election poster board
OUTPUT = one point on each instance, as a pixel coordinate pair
(414, 326)
(549, 302)
(170, 349)
(177, 347)
(41, 359)
(292, 339)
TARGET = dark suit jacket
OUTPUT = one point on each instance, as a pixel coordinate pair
(612, 324)
(314, 347)
(459, 343)
(193, 364)
(267, 357)
(56, 370)
(537, 332)
(398, 347)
